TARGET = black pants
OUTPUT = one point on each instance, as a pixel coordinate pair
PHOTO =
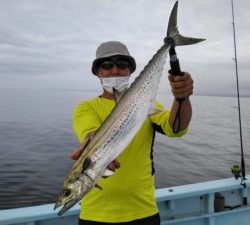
(152, 220)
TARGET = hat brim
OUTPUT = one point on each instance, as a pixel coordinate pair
(97, 62)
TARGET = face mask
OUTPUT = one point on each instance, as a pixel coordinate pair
(119, 83)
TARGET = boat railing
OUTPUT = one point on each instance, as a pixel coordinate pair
(210, 203)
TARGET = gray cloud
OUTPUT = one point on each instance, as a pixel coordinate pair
(54, 41)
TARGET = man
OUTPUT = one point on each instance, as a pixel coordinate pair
(128, 196)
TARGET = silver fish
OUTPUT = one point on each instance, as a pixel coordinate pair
(116, 132)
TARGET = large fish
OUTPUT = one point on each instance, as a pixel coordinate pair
(116, 132)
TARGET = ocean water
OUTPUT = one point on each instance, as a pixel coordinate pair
(36, 138)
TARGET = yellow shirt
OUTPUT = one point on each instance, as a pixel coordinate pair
(129, 193)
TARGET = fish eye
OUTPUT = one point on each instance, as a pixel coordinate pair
(66, 192)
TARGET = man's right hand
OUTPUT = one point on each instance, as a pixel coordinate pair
(76, 153)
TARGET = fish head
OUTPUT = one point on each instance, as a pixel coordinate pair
(72, 192)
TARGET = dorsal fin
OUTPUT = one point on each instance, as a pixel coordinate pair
(118, 94)
(85, 143)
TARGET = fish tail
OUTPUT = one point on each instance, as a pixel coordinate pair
(173, 34)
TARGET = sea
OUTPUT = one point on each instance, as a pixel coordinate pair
(36, 137)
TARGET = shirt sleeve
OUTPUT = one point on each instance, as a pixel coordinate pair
(85, 120)
(160, 122)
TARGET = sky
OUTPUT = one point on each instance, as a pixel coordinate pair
(51, 43)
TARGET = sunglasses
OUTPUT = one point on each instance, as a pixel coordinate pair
(119, 63)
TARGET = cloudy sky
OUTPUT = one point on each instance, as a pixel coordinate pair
(51, 43)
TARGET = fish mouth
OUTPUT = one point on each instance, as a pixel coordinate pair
(65, 207)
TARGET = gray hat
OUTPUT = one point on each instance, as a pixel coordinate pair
(109, 49)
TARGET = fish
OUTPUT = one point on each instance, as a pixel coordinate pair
(132, 107)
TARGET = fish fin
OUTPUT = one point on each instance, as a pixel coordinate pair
(98, 186)
(85, 143)
(118, 94)
(86, 164)
(107, 173)
(154, 111)
(87, 140)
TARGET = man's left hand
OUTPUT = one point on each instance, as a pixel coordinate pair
(182, 86)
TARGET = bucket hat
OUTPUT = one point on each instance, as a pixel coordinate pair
(110, 49)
